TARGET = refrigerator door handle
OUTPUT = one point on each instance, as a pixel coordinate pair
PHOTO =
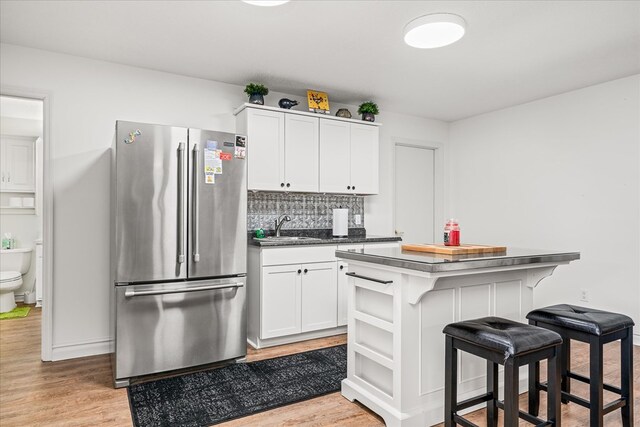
(130, 293)
(196, 204)
(181, 203)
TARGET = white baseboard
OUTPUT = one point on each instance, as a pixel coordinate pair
(636, 339)
(82, 349)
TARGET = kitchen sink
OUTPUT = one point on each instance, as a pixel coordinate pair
(288, 238)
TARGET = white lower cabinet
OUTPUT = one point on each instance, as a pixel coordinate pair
(318, 296)
(280, 301)
(297, 293)
(343, 267)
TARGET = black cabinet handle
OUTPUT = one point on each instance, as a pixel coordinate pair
(353, 188)
(288, 185)
(306, 271)
(348, 187)
(282, 184)
(299, 271)
(341, 267)
(357, 276)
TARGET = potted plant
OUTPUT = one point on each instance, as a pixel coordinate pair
(368, 110)
(256, 93)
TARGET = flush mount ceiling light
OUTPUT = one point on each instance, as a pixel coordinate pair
(436, 30)
(266, 2)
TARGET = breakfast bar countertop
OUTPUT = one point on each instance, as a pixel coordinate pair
(434, 263)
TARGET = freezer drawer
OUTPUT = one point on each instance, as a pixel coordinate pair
(162, 327)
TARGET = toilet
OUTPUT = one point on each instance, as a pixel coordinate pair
(14, 263)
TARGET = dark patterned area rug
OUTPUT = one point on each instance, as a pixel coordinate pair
(218, 395)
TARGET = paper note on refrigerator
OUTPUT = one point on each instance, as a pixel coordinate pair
(210, 165)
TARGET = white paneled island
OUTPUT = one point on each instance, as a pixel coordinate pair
(398, 304)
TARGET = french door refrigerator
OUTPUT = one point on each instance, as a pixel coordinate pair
(179, 244)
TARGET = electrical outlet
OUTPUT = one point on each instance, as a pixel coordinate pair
(357, 219)
(584, 295)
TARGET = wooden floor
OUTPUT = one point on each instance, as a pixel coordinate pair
(79, 392)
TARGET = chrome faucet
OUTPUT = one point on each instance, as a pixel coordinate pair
(280, 222)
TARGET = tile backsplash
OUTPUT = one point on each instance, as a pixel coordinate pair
(305, 210)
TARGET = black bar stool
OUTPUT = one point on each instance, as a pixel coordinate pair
(595, 327)
(508, 343)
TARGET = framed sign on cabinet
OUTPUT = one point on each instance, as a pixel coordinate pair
(318, 102)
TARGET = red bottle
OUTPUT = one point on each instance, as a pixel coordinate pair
(452, 233)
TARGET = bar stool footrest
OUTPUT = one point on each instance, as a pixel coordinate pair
(463, 421)
(586, 380)
(474, 401)
(527, 416)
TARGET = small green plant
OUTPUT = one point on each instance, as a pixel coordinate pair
(368, 107)
(256, 89)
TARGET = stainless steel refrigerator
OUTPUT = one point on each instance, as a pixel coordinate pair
(179, 244)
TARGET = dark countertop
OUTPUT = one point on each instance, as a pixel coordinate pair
(434, 263)
(324, 241)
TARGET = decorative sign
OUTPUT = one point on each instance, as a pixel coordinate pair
(318, 102)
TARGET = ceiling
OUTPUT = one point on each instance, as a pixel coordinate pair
(513, 51)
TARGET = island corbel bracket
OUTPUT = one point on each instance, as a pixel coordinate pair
(418, 288)
(535, 275)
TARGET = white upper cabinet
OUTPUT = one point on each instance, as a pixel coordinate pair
(17, 165)
(364, 159)
(265, 149)
(348, 158)
(335, 156)
(301, 153)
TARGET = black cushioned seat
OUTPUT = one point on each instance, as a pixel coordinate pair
(503, 335)
(584, 319)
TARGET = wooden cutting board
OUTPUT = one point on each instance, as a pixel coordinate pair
(454, 250)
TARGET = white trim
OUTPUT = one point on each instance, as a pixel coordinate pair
(289, 339)
(47, 211)
(81, 349)
(438, 177)
(302, 113)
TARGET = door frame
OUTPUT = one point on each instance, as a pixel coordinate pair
(46, 346)
(438, 177)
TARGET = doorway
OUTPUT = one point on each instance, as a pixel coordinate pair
(26, 209)
(416, 192)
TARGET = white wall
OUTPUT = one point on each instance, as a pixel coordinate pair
(87, 98)
(559, 173)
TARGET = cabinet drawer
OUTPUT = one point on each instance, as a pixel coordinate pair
(298, 255)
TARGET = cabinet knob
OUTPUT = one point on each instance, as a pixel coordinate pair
(353, 188)
(341, 267)
(299, 271)
(348, 187)
(305, 271)
(288, 185)
(282, 184)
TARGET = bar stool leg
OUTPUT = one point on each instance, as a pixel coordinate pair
(596, 365)
(511, 396)
(492, 387)
(450, 382)
(565, 363)
(626, 357)
(554, 369)
(534, 392)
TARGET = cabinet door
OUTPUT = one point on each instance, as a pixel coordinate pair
(342, 293)
(265, 150)
(301, 153)
(335, 154)
(280, 301)
(364, 159)
(18, 173)
(319, 296)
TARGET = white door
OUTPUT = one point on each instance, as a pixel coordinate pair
(335, 155)
(18, 172)
(415, 190)
(364, 159)
(280, 299)
(301, 153)
(265, 150)
(319, 295)
(343, 294)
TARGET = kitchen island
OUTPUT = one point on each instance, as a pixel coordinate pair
(398, 304)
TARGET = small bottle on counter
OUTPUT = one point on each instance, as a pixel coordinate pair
(452, 233)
